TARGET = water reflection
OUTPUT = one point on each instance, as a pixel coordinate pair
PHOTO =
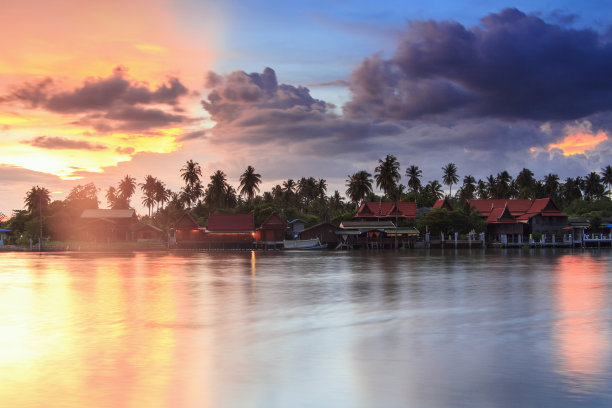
(282, 329)
(582, 331)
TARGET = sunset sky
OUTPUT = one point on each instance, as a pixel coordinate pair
(92, 91)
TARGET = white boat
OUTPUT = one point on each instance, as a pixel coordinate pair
(313, 243)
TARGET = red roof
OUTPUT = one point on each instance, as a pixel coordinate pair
(231, 223)
(501, 215)
(274, 221)
(443, 204)
(186, 222)
(387, 209)
(516, 207)
(542, 206)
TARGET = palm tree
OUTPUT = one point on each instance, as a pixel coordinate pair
(570, 190)
(468, 189)
(525, 184)
(414, 178)
(551, 185)
(321, 189)
(593, 188)
(450, 176)
(217, 189)
(359, 186)
(502, 185)
(387, 173)
(606, 178)
(191, 172)
(435, 188)
(162, 194)
(148, 189)
(289, 187)
(482, 190)
(127, 188)
(37, 198)
(112, 197)
(249, 183)
(492, 186)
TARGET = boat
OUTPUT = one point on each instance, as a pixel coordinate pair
(312, 243)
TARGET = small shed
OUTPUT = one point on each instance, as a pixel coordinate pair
(272, 229)
(148, 233)
(296, 226)
(104, 225)
(325, 232)
(3, 235)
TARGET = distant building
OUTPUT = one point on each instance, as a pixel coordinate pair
(295, 227)
(272, 229)
(3, 235)
(222, 231)
(325, 232)
(386, 210)
(148, 233)
(103, 225)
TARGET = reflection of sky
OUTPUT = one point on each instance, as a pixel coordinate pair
(302, 329)
(583, 329)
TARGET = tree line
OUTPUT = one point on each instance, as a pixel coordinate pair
(304, 198)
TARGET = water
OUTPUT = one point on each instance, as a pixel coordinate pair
(306, 329)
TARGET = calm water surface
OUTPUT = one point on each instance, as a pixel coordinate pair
(306, 329)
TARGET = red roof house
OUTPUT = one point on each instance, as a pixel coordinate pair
(230, 223)
(103, 225)
(376, 210)
(272, 229)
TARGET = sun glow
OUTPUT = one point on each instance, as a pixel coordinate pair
(579, 142)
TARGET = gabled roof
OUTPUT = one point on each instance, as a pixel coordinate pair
(186, 222)
(516, 207)
(387, 209)
(141, 227)
(443, 204)
(273, 221)
(501, 215)
(542, 206)
(109, 214)
(231, 223)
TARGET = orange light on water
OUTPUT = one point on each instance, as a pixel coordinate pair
(581, 341)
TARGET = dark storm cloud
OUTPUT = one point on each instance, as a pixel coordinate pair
(117, 89)
(55, 143)
(239, 93)
(512, 66)
(116, 102)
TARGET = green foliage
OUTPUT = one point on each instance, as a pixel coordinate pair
(588, 209)
(439, 220)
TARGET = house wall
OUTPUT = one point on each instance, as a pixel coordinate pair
(325, 233)
(551, 225)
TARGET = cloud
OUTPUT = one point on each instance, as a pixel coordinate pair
(512, 66)
(31, 94)
(54, 143)
(116, 102)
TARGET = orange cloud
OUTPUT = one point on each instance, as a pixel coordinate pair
(579, 141)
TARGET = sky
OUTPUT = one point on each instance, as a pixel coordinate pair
(92, 91)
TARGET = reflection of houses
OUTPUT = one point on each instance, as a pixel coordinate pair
(386, 210)
(325, 232)
(104, 225)
(375, 234)
(272, 229)
(224, 231)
